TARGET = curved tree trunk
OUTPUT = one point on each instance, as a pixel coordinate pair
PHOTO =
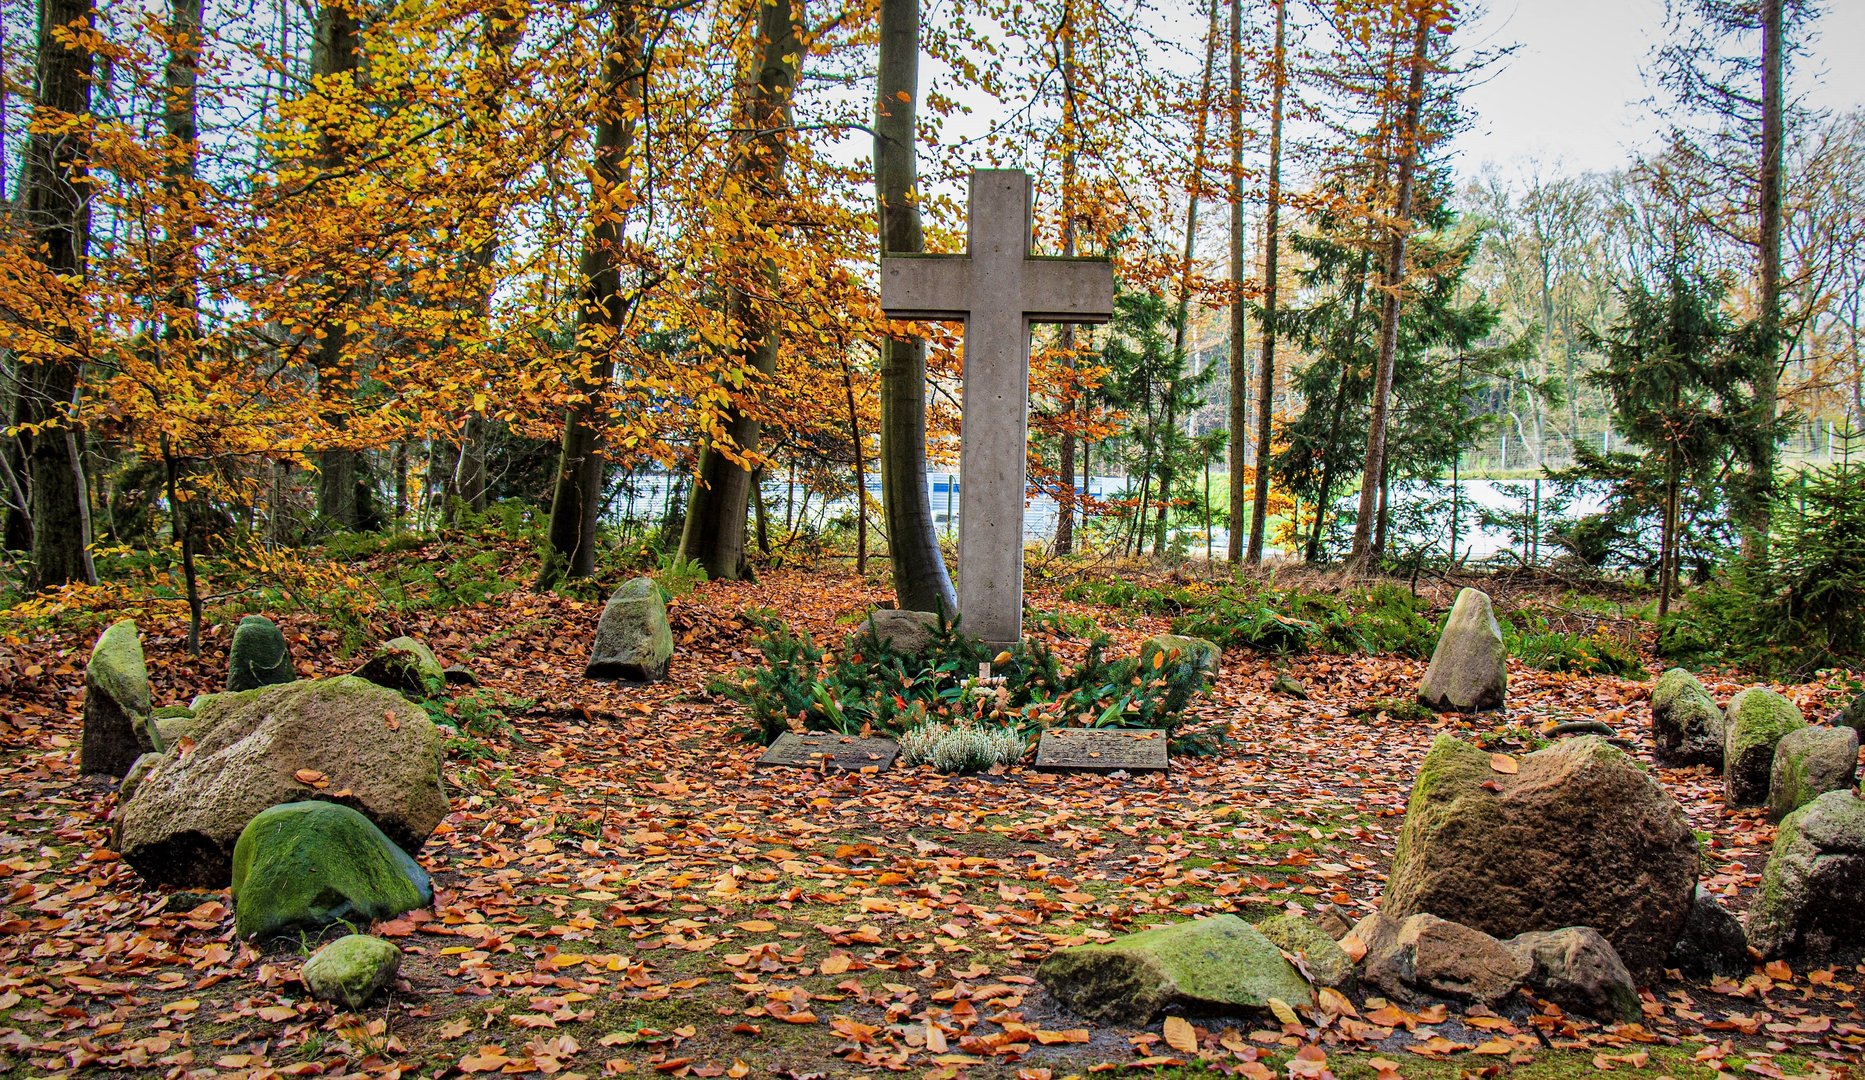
(715, 519)
(921, 582)
(58, 217)
(577, 498)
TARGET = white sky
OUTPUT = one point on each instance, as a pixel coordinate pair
(1572, 92)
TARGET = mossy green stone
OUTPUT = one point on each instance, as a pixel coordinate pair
(1671, 685)
(259, 656)
(351, 970)
(116, 703)
(1815, 876)
(299, 866)
(1808, 763)
(407, 666)
(1758, 718)
(1218, 964)
(1323, 958)
(1180, 647)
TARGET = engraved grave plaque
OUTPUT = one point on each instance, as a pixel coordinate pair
(1102, 750)
(818, 750)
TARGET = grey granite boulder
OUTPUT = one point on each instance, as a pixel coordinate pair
(1686, 724)
(1758, 719)
(1712, 943)
(259, 656)
(1811, 889)
(1579, 970)
(633, 639)
(1808, 763)
(1219, 964)
(1578, 834)
(1425, 956)
(1470, 667)
(117, 705)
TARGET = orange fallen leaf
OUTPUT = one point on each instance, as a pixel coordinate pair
(1180, 1035)
(1504, 764)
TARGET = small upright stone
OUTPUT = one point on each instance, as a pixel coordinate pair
(633, 640)
(1470, 667)
(351, 970)
(1852, 716)
(1808, 763)
(1579, 970)
(1712, 943)
(408, 667)
(259, 656)
(1180, 648)
(1686, 724)
(117, 730)
(1758, 719)
(1810, 889)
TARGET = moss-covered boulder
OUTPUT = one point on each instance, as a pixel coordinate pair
(1470, 666)
(407, 667)
(170, 724)
(1808, 763)
(259, 656)
(116, 703)
(1758, 719)
(351, 970)
(1316, 954)
(1812, 895)
(1177, 648)
(1686, 724)
(1220, 964)
(304, 865)
(1576, 835)
(633, 639)
(341, 740)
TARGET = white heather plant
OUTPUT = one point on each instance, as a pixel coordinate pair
(960, 748)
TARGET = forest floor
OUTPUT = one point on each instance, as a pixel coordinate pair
(620, 891)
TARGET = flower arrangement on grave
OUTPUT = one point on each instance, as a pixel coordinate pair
(955, 682)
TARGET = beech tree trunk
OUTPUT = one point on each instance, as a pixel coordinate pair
(921, 582)
(1392, 277)
(1266, 368)
(577, 499)
(54, 194)
(1239, 372)
(335, 53)
(182, 331)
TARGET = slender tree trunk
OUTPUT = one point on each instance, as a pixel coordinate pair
(1239, 370)
(1343, 342)
(181, 334)
(576, 502)
(1266, 369)
(861, 475)
(760, 513)
(1758, 488)
(1391, 280)
(335, 54)
(55, 196)
(715, 519)
(921, 582)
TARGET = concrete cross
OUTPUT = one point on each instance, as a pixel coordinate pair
(997, 288)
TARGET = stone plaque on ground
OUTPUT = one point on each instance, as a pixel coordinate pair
(1102, 750)
(818, 750)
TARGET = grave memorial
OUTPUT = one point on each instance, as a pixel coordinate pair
(828, 750)
(998, 289)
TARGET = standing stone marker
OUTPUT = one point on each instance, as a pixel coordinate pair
(827, 750)
(997, 288)
(1102, 750)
